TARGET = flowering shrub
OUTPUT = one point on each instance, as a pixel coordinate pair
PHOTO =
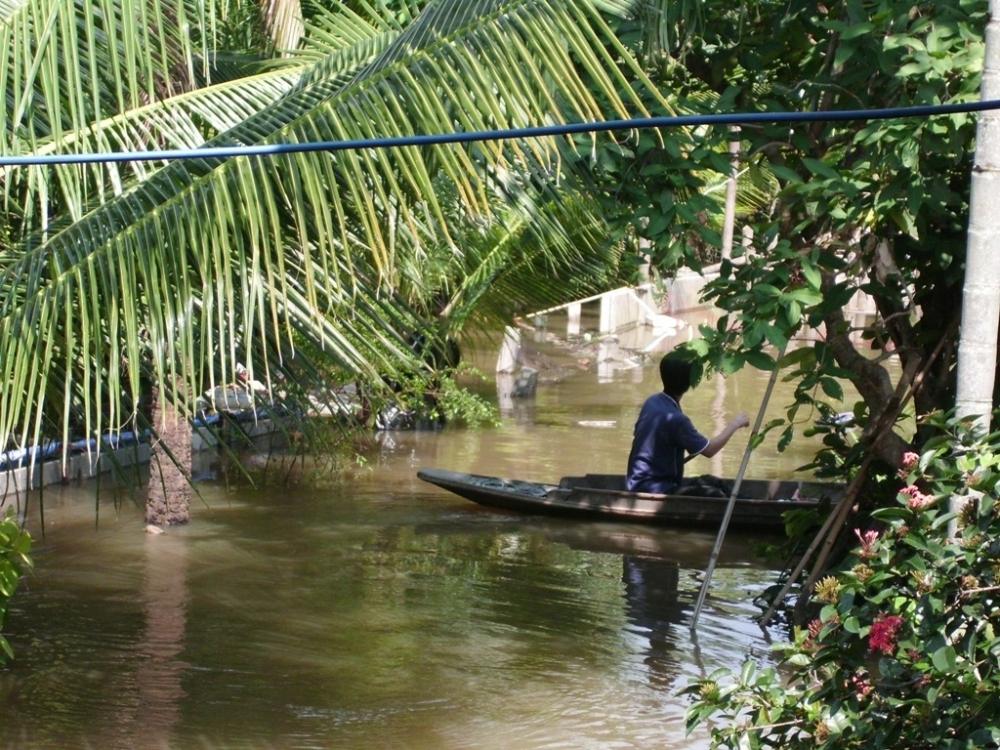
(905, 648)
(14, 546)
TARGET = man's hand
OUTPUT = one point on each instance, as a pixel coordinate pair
(716, 444)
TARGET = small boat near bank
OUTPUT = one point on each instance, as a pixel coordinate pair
(761, 505)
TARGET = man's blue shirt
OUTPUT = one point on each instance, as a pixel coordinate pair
(663, 433)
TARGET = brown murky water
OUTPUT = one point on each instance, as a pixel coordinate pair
(381, 612)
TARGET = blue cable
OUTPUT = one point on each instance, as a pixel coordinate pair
(734, 118)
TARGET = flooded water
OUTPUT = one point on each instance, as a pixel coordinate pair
(378, 611)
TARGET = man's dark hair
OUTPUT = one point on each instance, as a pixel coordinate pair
(676, 372)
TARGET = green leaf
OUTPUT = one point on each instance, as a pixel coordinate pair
(804, 357)
(855, 30)
(793, 313)
(805, 295)
(832, 388)
(657, 225)
(944, 659)
(820, 168)
(888, 514)
(760, 360)
(786, 174)
(813, 276)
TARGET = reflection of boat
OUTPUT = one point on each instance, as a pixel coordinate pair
(687, 547)
(603, 496)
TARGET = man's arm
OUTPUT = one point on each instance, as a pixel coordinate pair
(717, 443)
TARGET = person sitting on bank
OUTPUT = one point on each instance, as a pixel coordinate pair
(663, 433)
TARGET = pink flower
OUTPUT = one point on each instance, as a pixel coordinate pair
(910, 461)
(868, 540)
(862, 686)
(815, 627)
(920, 502)
(882, 636)
(915, 499)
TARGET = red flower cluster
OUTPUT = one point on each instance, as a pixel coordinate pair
(815, 627)
(883, 633)
(910, 461)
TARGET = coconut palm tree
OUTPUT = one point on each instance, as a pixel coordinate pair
(166, 274)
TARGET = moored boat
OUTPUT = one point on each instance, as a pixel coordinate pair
(762, 503)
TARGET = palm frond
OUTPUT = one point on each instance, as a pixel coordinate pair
(65, 63)
(184, 121)
(209, 260)
(545, 248)
(8, 8)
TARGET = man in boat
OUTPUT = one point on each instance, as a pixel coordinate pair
(663, 433)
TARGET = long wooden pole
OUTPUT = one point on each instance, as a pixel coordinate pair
(736, 489)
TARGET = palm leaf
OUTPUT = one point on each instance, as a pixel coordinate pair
(544, 247)
(184, 121)
(210, 260)
(66, 63)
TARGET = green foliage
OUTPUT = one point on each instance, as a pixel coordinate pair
(905, 648)
(835, 207)
(15, 543)
(441, 397)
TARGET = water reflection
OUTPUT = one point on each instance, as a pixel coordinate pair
(653, 606)
(160, 670)
(373, 610)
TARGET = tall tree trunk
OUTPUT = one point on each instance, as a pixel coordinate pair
(977, 348)
(168, 501)
(729, 220)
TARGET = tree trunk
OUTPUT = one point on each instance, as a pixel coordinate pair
(168, 501)
(977, 348)
(873, 383)
(729, 221)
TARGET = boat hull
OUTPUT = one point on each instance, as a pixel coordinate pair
(764, 509)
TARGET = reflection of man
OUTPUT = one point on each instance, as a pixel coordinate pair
(663, 433)
(651, 603)
(651, 591)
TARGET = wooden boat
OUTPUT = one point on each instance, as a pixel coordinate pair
(761, 504)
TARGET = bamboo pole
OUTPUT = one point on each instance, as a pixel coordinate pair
(714, 558)
(833, 521)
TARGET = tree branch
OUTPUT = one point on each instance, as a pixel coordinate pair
(870, 378)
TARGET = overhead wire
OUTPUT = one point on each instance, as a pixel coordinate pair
(541, 131)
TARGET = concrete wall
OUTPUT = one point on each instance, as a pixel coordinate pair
(80, 467)
(684, 290)
(684, 293)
